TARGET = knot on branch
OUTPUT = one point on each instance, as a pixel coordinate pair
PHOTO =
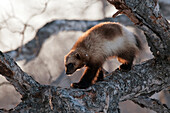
(124, 9)
(3, 68)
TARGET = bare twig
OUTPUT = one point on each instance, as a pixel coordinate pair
(152, 104)
(118, 12)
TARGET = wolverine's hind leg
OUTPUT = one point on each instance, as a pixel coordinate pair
(127, 60)
(125, 65)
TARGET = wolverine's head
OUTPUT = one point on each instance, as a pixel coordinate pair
(73, 61)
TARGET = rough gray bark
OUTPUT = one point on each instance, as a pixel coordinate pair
(136, 85)
(143, 80)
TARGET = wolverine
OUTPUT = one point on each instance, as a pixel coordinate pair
(95, 46)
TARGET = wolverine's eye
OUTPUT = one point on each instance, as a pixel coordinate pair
(70, 65)
(78, 56)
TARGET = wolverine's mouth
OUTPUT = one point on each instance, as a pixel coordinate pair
(68, 71)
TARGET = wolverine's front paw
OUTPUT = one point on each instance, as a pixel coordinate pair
(80, 85)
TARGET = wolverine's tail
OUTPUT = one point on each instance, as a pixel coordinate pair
(138, 42)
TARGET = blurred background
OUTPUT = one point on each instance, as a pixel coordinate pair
(39, 33)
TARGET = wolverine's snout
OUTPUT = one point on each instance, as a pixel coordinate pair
(70, 68)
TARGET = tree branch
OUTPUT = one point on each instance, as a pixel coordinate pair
(149, 77)
(152, 104)
(23, 83)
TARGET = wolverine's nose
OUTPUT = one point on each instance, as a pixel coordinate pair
(69, 68)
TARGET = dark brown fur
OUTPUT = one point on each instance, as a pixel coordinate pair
(110, 31)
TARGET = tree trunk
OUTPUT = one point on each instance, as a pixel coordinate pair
(137, 85)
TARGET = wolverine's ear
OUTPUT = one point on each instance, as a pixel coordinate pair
(78, 56)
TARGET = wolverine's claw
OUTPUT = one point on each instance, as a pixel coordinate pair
(80, 85)
(125, 67)
(74, 85)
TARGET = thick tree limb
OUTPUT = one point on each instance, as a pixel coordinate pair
(147, 78)
(23, 83)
